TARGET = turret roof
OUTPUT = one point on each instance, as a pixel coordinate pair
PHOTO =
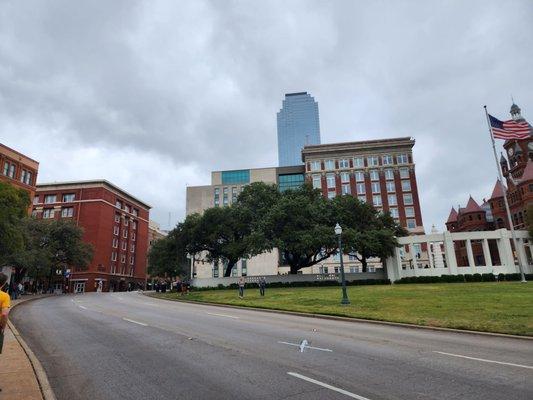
(453, 216)
(497, 191)
(472, 206)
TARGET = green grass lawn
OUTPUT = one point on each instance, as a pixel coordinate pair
(505, 307)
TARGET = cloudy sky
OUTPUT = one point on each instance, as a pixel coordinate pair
(153, 95)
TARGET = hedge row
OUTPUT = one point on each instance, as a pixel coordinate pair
(463, 278)
(301, 284)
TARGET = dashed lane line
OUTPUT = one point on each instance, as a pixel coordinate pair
(327, 386)
(135, 322)
(307, 347)
(83, 307)
(484, 360)
(223, 315)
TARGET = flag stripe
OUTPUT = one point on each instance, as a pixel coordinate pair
(509, 129)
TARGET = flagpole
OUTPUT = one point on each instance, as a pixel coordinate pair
(511, 225)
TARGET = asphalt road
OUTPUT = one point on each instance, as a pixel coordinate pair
(129, 346)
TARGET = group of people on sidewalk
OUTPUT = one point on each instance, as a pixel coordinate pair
(242, 283)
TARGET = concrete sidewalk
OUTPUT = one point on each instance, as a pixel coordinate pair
(18, 375)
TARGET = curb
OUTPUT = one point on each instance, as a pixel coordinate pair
(353, 320)
(40, 374)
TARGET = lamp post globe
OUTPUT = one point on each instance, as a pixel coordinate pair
(338, 232)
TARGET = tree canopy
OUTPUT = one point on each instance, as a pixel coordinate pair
(14, 205)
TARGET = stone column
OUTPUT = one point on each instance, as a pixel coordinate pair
(449, 250)
(469, 253)
(486, 253)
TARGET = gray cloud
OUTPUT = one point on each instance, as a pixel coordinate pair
(155, 94)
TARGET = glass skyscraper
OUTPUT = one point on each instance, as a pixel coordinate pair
(298, 125)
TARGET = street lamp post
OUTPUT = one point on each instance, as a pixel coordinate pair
(338, 232)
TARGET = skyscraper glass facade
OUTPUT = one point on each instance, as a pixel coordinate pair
(298, 125)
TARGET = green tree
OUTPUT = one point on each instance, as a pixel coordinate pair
(50, 245)
(367, 233)
(14, 205)
(223, 234)
(300, 225)
(529, 220)
(168, 255)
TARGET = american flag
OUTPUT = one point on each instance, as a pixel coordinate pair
(509, 129)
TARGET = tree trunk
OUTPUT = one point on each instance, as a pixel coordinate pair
(364, 263)
(294, 269)
(229, 267)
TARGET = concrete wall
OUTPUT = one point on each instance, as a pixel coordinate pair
(214, 282)
(199, 198)
(442, 254)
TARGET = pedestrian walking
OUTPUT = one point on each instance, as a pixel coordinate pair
(5, 304)
(241, 284)
(262, 284)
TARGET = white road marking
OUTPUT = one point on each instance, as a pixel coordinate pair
(135, 322)
(82, 307)
(223, 315)
(335, 389)
(484, 360)
(307, 347)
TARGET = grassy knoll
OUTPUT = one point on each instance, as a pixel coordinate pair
(505, 307)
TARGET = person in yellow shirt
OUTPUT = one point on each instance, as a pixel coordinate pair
(5, 303)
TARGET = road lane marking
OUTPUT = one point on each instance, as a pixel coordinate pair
(82, 307)
(484, 360)
(335, 389)
(135, 322)
(223, 315)
(307, 347)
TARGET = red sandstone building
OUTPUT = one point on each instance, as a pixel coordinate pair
(114, 222)
(18, 169)
(379, 172)
(517, 169)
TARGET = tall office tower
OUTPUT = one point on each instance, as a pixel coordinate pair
(298, 126)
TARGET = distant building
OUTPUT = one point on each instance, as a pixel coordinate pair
(298, 126)
(155, 233)
(113, 221)
(18, 170)
(380, 172)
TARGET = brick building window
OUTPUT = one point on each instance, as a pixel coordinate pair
(69, 197)
(48, 213)
(394, 212)
(361, 189)
(115, 230)
(36, 200)
(374, 175)
(376, 201)
(134, 224)
(411, 224)
(25, 177)
(375, 187)
(124, 244)
(50, 198)
(132, 260)
(122, 258)
(362, 199)
(345, 177)
(408, 199)
(330, 164)
(359, 176)
(126, 208)
(133, 236)
(331, 195)
(315, 165)
(404, 173)
(317, 182)
(118, 204)
(115, 243)
(135, 212)
(126, 221)
(409, 212)
(389, 174)
(330, 180)
(345, 188)
(117, 218)
(124, 233)
(217, 197)
(132, 248)
(114, 256)
(391, 187)
(387, 159)
(392, 200)
(406, 186)
(12, 171)
(343, 163)
(402, 159)
(67, 212)
(373, 161)
(358, 162)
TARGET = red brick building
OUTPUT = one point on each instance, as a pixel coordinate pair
(517, 170)
(380, 172)
(18, 169)
(114, 222)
